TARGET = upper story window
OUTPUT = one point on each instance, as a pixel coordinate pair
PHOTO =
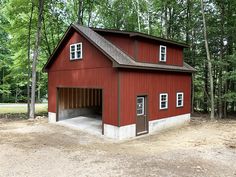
(163, 101)
(180, 99)
(76, 51)
(162, 56)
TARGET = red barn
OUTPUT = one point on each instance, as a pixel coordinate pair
(137, 83)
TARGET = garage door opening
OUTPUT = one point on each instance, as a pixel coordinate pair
(81, 108)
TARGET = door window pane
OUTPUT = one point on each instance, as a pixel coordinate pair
(140, 106)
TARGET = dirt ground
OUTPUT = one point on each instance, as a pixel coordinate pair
(38, 149)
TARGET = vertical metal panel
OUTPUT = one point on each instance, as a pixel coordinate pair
(93, 71)
(149, 52)
(146, 51)
(152, 84)
(124, 42)
(174, 55)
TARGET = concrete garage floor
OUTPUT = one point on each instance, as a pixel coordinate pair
(91, 124)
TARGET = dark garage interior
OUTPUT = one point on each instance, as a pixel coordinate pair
(75, 102)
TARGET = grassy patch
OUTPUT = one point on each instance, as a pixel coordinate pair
(21, 108)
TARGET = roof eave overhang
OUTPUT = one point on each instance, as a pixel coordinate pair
(153, 68)
(143, 35)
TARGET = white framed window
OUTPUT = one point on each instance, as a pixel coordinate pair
(76, 51)
(163, 101)
(180, 99)
(162, 53)
(140, 106)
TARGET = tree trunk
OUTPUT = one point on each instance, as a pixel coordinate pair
(166, 21)
(162, 26)
(230, 49)
(35, 57)
(138, 12)
(90, 12)
(136, 7)
(3, 75)
(193, 56)
(188, 19)
(192, 96)
(29, 63)
(209, 63)
(206, 90)
(148, 16)
(221, 59)
(170, 34)
(49, 51)
(39, 88)
(80, 13)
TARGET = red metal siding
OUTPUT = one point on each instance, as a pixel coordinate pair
(146, 51)
(125, 43)
(92, 58)
(174, 56)
(93, 71)
(152, 84)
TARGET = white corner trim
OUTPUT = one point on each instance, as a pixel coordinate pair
(175, 121)
(119, 133)
(52, 117)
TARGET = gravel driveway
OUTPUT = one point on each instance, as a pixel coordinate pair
(38, 149)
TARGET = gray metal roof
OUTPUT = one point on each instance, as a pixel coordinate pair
(119, 58)
(106, 46)
(161, 67)
(143, 35)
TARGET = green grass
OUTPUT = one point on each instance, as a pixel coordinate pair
(21, 108)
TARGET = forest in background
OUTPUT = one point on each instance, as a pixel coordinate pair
(180, 20)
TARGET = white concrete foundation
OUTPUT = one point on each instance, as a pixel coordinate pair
(94, 126)
(129, 131)
(52, 118)
(175, 121)
(119, 133)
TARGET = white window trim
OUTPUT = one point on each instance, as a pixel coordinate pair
(177, 99)
(161, 46)
(142, 107)
(81, 51)
(166, 100)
